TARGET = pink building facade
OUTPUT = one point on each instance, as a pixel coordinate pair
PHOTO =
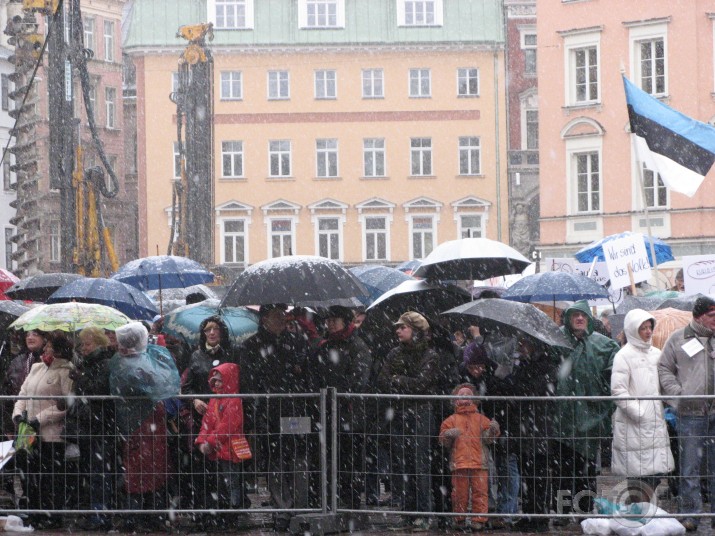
(589, 180)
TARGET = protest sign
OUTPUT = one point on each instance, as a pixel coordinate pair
(699, 274)
(597, 271)
(623, 253)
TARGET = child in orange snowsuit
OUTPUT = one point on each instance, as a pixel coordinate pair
(464, 432)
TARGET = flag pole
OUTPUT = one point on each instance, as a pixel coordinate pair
(639, 164)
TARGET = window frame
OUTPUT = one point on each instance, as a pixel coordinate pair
(109, 40)
(232, 85)
(326, 158)
(276, 81)
(177, 160)
(304, 17)
(423, 232)
(461, 228)
(55, 234)
(374, 235)
(525, 136)
(110, 108)
(378, 154)
(327, 234)
(236, 157)
(573, 45)
(402, 13)
(89, 33)
(464, 73)
(529, 49)
(423, 156)
(234, 235)
(574, 180)
(468, 149)
(325, 87)
(648, 33)
(419, 81)
(278, 154)
(249, 14)
(369, 79)
(271, 233)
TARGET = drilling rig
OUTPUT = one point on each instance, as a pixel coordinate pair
(193, 194)
(86, 246)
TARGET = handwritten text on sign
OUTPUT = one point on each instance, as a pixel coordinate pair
(622, 252)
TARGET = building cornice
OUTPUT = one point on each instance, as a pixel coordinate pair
(647, 22)
(580, 31)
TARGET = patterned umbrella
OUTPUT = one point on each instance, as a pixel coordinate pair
(184, 323)
(666, 322)
(7, 279)
(71, 317)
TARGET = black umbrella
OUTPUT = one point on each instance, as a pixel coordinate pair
(647, 303)
(427, 298)
(39, 287)
(300, 280)
(683, 303)
(513, 318)
(9, 311)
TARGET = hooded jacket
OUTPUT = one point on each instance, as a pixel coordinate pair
(586, 371)
(641, 445)
(195, 380)
(223, 420)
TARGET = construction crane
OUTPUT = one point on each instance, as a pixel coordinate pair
(86, 244)
(193, 194)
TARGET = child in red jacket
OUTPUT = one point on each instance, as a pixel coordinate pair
(463, 433)
(221, 437)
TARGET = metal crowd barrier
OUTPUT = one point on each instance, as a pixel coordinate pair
(370, 456)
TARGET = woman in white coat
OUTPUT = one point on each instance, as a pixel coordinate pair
(641, 446)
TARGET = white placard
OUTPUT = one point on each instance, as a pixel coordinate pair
(699, 274)
(622, 252)
(597, 271)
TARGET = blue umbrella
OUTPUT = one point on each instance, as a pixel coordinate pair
(377, 279)
(184, 323)
(122, 297)
(163, 271)
(553, 287)
(663, 253)
(408, 266)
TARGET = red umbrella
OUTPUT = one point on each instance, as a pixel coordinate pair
(7, 279)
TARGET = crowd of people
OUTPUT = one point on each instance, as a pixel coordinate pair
(486, 440)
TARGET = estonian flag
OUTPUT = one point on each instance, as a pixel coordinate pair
(679, 148)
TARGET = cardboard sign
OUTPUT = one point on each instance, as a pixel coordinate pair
(598, 272)
(699, 274)
(622, 253)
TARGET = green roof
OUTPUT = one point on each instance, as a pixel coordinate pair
(154, 23)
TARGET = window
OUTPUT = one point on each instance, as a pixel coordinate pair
(421, 156)
(231, 14)
(650, 61)
(325, 85)
(468, 82)
(528, 45)
(588, 182)
(321, 13)
(177, 161)
(583, 75)
(88, 25)
(108, 184)
(234, 241)
(232, 159)
(8, 247)
(376, 238)
(326, 158)
(422, 236)
(329, 238)
(55, 241)
(470, 226)
(372, 84)
(231, 85)
(110, 97)
(93, 96)
(279, 154)
(5, 91)
(419, 12)
(531, 130)
(281, 238)
(374, 157)
(175, 82)
(469, 155)
(6, 175)
(656, 194)
(420, 86)
(109, 40)
(278, 85)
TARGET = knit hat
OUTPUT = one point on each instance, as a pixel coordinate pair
(413, 320)
(703, 305)
(340, 311)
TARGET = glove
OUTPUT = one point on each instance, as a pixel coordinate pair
(452, 433)
(17, 419)
(35, 425)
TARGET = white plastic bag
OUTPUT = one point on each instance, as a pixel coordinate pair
(14, 524)
(596, 525)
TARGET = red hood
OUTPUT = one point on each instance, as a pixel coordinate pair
(229, 373)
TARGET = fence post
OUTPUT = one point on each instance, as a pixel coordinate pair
(334, 448)
(323, 452)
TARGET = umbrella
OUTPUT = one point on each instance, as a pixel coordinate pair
(471, 258)
(666, 322)
(594, 250)
(378, 279)
(301, 280)
(682, 302)
(71, 317)
(39, 287)
(408, 267)
(125, 298)
(638, 302)
(477, 291)
(7, 279)
(555, 286)
(184, 324)
(513, 318)
(163, 271)
(172, 298)
(9, 311)
(418, 295)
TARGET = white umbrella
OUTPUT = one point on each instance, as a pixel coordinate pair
(471, 258)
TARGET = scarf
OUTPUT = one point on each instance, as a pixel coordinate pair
(341, 335)
(700, 330)
(47, 359)
(212, 349)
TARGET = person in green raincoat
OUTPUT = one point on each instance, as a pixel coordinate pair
(580, 426)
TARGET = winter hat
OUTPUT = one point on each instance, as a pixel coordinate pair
(703, 305)
(475, 354)
(413, 320)
(339, 311)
